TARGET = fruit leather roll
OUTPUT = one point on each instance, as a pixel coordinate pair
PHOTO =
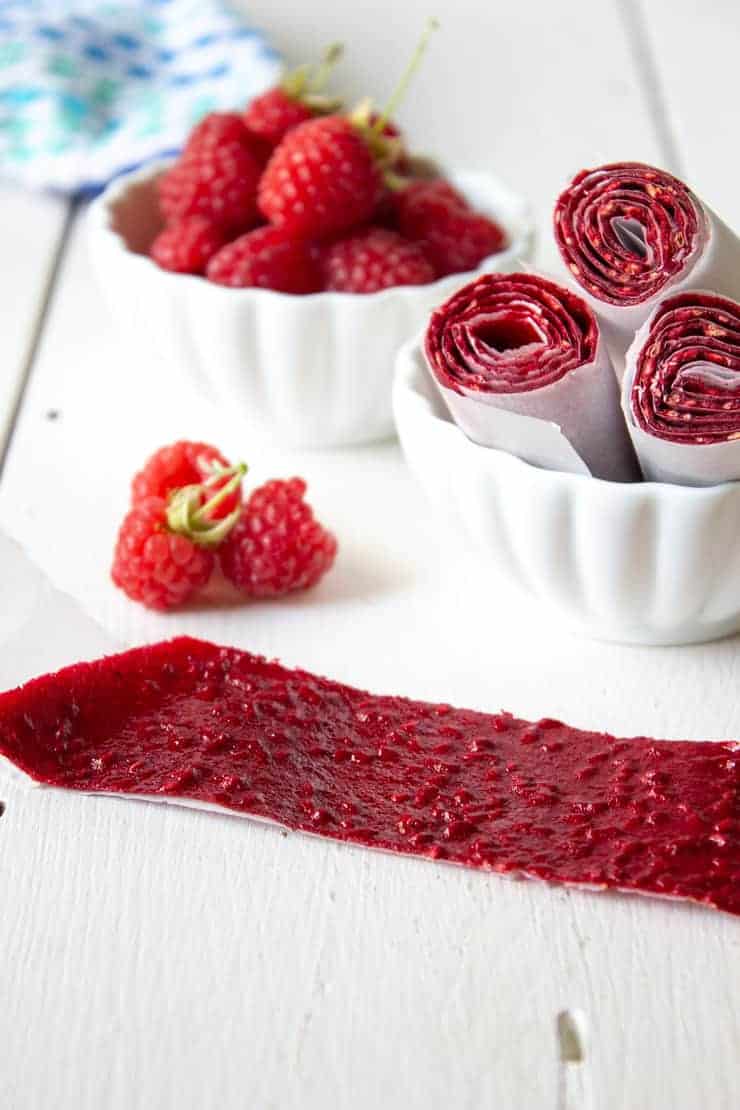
(630, 234)
(681, 390)
(522, 367)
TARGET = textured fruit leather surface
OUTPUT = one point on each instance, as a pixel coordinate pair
(613, 222)
(190, 721)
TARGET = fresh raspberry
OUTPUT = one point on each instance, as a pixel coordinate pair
(428, 190)
(184, 463)
(325, 176)
(375, 259)
(219, 183)
(217, 129)
(322, 179)
(154, 565)
(187, 246)
(459, 240)
(224, 129)
(267, 258)
(295, 100)
(277, 545)
(271, 116)
(455, 238)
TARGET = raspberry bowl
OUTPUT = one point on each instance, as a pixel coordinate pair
(640, 562)
(313, 370)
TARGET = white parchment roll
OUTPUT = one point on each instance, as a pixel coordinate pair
(522, 367)
(630, 234)
(681, 390)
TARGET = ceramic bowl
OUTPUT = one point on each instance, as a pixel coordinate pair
(647, 563)
(310, 371)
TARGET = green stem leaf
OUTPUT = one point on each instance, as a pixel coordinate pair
(400, 90)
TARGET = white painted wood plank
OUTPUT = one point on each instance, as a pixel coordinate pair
(180, 959)
(174, 959)
(31, 227)
(695, 48)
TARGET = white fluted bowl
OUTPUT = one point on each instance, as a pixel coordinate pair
(312, 371)
(645, 563)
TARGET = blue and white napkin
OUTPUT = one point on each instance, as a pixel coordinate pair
(89, 88)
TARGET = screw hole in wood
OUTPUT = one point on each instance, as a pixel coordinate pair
(571, 1046)
(574, 1092)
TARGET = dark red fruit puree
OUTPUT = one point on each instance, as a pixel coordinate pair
(190, 720)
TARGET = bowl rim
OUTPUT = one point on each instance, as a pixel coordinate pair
(410, 366)
(522, 239)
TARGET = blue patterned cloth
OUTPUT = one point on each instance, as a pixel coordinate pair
(89, 89)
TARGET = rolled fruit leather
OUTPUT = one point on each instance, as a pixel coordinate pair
(522, 367)
(681, 390)
(630, 234)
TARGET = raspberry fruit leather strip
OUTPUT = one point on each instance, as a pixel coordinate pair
(629, 234)
(190, 722)
(681, 390)
(521, 366)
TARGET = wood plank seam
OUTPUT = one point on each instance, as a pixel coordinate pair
(633, 18)
(36, 334)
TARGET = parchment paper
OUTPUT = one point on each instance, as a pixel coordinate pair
(662, 460)
(574, 424)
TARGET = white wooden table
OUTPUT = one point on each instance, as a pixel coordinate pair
(159, 958)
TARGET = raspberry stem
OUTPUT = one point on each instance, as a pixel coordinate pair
(405, 79)
(322, 72)
(188, 516)
(305, 83)
(226, 490)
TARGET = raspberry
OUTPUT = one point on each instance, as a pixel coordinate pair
(325, 176)
(269, 259)
(154, 565)
(455, 238)
(271, 116)
(375, 259)
(459, 241)
(217, 129)
(161, 556)
(296, 99)
(321, 179)
(182, 464)
(187, 246)
(277, 545)
(223, 129)
(219, 183)
(428, 190)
